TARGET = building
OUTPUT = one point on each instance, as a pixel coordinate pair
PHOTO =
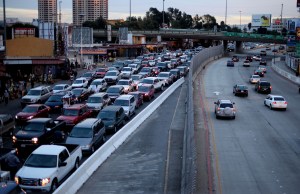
(288, 23)
(89, 10)
(47, 10)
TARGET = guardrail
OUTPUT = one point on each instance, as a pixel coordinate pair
(189, 156)
(80, 176)
(258, 36)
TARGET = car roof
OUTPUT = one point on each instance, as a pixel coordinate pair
(99, 94)
(81, 78)
(34, 105)
(273, 95)
(49, 149)
(125, 96)
(111, 108)
(61, 84)
(226, 101)
(87, 122)
(116, 86)
(75, 106)
(42, 120)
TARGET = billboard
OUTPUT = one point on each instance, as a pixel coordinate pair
(261, 20)
(23, 32)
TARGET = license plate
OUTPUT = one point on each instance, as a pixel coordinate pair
(23, 145)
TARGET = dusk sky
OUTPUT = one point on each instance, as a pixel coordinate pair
(26, 10)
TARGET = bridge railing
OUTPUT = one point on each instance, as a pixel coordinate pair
(258, 36)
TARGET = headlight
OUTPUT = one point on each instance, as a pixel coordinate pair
(30, 117)
(44, 181)
(110, 126)
(14, 139)
(17, 180)
(16, 117)
(35, 140)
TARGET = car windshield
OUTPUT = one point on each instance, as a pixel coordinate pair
(126, 69)
(39, 160)
(255, 76)
(120, 102)
(123, 82)
(106, 115)
(100, 70)
(96, 83)
(58, 87)
(88, 75)
(111, 73)
(279, 99)
(113, 90)
(55, 98)
(81, 132)
(147, 81)
(34, 92)
(31, 126)
(70, 112)
(143, 89)
(135, 77)
(224, 105)
(132, 65)
(80, 81)
(163, 75)
(94, 100)
(77, 92)
(30, 109)
(146, 70)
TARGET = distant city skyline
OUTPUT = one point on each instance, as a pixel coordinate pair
(27, 10)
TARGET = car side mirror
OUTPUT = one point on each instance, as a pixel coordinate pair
(233, 103)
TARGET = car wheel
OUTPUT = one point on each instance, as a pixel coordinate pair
(92, 149)
(54, 185)
(233, 117)
(162, 88)
(115, 129)
(76, 165)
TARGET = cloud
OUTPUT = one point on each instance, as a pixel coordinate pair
(24, 15)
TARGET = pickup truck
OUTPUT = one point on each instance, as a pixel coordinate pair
(36, 132)
(158, 84)
(47, 166)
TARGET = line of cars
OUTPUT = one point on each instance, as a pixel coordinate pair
(93, 106)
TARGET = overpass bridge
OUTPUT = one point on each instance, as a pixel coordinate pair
(194, 34)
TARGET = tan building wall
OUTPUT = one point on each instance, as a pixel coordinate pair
(29, 47)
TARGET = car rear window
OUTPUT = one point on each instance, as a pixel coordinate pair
(265, 84)
(278, 99)
(226, 105)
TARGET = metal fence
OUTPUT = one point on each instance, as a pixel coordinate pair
(189, 154)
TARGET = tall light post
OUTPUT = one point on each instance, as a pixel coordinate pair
(4, 25)
(129, 10)
(81, 58)
(226, 14)
(163, 14)
(240, 20)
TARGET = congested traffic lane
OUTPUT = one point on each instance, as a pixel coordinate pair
(258, 152)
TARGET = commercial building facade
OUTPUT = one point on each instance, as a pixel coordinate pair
(47, 10)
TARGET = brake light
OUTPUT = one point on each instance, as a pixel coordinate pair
(259, 87)
(270, 87)
(285, 102)
(274, 103)
(218, 109)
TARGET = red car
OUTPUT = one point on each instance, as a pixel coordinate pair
(138, 96)
(147, 90)
(32, 111)
(100, 72)
(74, 114)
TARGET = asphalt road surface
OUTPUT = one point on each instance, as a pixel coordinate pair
(150, 160)
(259, 151)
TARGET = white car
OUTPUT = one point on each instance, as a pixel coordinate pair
(256, 57)
(61, 88)
(152, 63)
(135, 67)
(246, 63)
(127, 72)
(81, 82)
(254, 79)
(98, 85)
(112, 77)
(127, 84)
(128, 103)
(275, 101)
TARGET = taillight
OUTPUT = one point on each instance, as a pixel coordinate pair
(270, 87)
(274, 103)
(259, 87)
(218, 109)
(285, 102)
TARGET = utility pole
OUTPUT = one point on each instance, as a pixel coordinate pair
(226, 14)
(4, 25)
(163, 14)
(281, 17)
(241, 20)
(129, 10)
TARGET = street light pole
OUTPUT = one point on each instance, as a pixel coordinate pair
(226, 14)
(81, 59)
(4, 25)
(129, 10)
(241, 20)
(163, 13)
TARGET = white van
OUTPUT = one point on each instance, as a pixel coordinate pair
(128, 103)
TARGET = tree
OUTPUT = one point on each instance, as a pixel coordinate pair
(208, 21)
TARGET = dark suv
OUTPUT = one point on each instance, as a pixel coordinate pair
(113, 117)
(263, 87)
